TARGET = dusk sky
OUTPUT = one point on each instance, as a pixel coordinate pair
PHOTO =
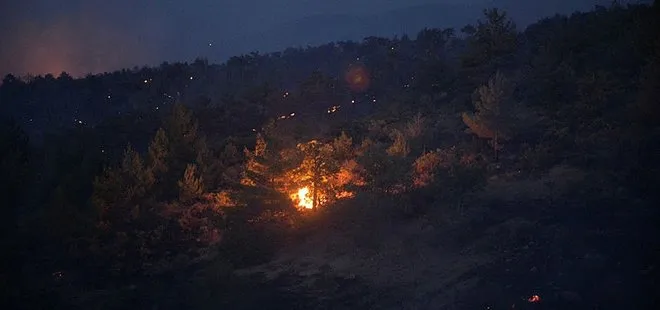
(83, 36)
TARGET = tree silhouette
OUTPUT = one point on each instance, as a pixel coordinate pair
(257, 171)
(316, 168)
(185, 146)
(490, 39)
(14, 164)
(399, 145)
(491, 119)
(157, 160)
(190, 185)
(119, 191)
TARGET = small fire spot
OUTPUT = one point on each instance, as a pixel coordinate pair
(534, 299)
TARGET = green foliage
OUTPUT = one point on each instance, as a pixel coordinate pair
(492, 118)
(446, 175)
(158, 151)
(260, 167)
(253, 239)
(535, 158)
(490, 39)
(432, 42)
(417, 133)
(14, 164)
(343, 147)
(119, 191)
(320, 90)
(424, 168)
(200, 224)
(578, 71)
(399, 145)
(157, 162)
(594, 93)
(382, 172)
(230, 162)
(646, 109)
(185, 146)
(191, 185)
(180, 127)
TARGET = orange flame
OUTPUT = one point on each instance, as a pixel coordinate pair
(534, 299)
(304, 200)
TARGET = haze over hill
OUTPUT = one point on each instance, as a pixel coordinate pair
(322, 28)
(79, 38)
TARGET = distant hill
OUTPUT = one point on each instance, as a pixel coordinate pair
(319, 29)
(322, 28)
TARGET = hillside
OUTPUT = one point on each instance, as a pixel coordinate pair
(483, 168)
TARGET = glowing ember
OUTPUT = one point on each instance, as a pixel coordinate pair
(304, 199)
(534, 299)
(345, 194)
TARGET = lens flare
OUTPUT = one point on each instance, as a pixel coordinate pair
(357, 78)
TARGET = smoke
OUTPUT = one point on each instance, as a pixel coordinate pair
(78, 42)
(91, 36)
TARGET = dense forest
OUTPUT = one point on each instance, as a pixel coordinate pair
(536, 148)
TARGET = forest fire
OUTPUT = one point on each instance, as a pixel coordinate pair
(303, 198)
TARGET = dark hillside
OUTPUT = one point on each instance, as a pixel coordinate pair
(487, 167)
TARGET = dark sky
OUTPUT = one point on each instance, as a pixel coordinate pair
(82, 36)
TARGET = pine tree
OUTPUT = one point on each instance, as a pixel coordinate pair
(492, 116)
(158, 151)
(424, 168)
(343, 147)
(119, 191)
(257, 167)
(647, 106)
(314, 171)
(15, 168)
(180, 126)
(380, 170)
(191, 185)
(399, 147)
(230, 162)
(184, 146)
(490, 40)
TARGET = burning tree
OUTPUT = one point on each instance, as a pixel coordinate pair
(311, 174)
(314, 173)
(325, 172)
